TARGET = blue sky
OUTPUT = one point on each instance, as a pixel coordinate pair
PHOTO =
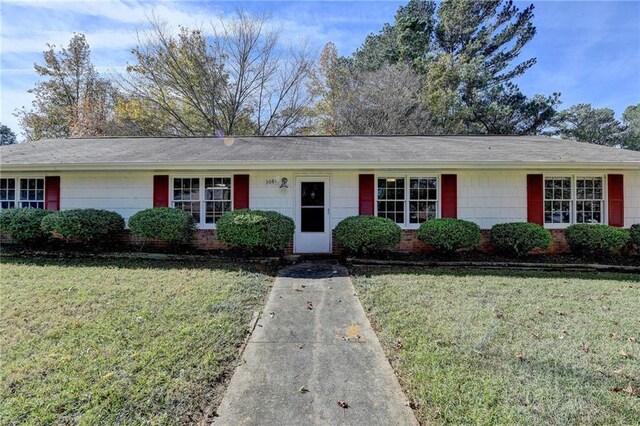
(588, 51)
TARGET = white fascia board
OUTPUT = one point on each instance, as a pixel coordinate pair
(486, 165)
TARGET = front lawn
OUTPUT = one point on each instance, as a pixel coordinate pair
(510, 348)
(120, 342)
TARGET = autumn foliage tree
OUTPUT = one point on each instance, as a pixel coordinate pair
(236, 79)
(72, 100)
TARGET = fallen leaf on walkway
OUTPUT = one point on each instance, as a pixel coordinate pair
(272, 314)
(304, 390)
(343, 404)
(412, 404)
(310, 306)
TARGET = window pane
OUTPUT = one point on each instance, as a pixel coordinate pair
(7, 193)
(589, 200)
(557, 194)
(312, 219)
(312, 194)
(391, 195)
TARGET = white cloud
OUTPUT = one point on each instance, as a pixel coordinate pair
(117, 10)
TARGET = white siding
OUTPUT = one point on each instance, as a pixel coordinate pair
(488, 198)
(344, 196)
(124, 193)
(268, 196)
(631, 198)
(484, 197)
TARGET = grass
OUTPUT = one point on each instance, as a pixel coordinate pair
(120, 342)
(510, 348)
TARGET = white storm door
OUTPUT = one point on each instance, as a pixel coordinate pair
(313, 228)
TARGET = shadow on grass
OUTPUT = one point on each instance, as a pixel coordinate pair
(368, 271)
(227, 265)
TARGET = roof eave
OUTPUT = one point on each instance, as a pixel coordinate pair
(317, 165)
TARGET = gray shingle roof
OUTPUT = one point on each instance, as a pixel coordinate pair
(312, 149)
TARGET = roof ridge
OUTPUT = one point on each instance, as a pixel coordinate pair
(305, 136)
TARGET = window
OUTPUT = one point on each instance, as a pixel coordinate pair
(217, 198)
(29, 194)
(32, 193)
(589, 200)
(422, 199)
(186, 196)
(408, 200)
(557, 200)
(391, 198)
(570, 200)
(205, 198)
(7, 193)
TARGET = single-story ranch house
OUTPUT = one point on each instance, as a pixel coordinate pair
(318, 181)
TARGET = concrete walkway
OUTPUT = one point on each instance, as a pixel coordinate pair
(313, 346)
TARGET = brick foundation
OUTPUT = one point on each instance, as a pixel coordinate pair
(410, 243)
(206, 240)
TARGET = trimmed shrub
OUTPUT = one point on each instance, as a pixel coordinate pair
(23, 224)
(255, 229)
(448, 235)
(634, 235)
(367, 234)
(598, 240)
(174, 226)
(519, 238)
(83, 225)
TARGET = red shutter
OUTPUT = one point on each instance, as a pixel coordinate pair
(616, 200)
(52, 193)
(161, 191)
(535, 199)
(240, 192)
(449, 187)
(367, 195)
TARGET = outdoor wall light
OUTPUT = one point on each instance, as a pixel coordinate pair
(284, 183)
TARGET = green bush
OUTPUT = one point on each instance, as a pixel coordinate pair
(255, 229)
(597, 240)
(83, 225)
(24, 225)
(448, 235)
(634, 235)
(519, 238)
(172, 225)
(367, 234)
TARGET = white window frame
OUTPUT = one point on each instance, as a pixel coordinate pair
(407, 178)
(603, 200)
(16, 190)
(573, 202)
(201, 194)
(18, 198)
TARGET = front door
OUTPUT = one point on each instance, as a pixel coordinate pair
(313, 229)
